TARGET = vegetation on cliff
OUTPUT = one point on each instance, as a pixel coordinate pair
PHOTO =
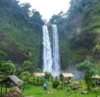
(20, 32)
(79, 31)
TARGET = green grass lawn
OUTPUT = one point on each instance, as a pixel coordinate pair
(38, 91)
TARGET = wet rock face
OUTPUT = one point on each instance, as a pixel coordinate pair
(15, 92)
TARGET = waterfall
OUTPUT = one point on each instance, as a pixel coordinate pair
(56, 56)
(51, 59)
(47, 53)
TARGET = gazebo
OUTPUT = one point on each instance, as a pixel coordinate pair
(9, 82)
(67, 76)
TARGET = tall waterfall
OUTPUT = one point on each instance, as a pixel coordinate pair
(47, 53)
(51, 59)
(56, 57)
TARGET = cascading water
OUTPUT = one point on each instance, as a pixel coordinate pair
(56, 56)
(47, 53)
(51, 59)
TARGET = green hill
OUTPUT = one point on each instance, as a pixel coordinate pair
(79, 32)
(20, 34)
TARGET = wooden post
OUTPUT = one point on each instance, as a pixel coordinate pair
(1, 89)
(6, 88)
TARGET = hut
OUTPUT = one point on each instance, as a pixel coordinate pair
(39, 74)
(10, 81)
(97, 79)
(67, 77)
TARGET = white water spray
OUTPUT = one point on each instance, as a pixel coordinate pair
(47, 53)
(56, 57)
(51, 59)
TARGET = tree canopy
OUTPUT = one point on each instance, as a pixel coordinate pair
(88, 70)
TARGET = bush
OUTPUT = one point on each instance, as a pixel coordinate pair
(38, 81)
(55, 83)
(47, 75)
(69, 90)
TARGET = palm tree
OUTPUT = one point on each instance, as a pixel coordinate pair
(25, 67)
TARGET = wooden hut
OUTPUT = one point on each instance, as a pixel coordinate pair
(96, 76)
(10, 81)
(39, 74)
(97, 79)
(67, 75)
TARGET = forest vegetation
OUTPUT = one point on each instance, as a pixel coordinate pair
(20, 32)
(78, 28)
(79, 32)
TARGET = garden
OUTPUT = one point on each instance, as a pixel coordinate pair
(38, 91)
(45, 85)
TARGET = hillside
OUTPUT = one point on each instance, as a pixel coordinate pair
(79, 32)
(20, 34)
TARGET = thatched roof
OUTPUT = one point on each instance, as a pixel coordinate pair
(13, 79)
(96, 76)
(66, 75)
(39, 74)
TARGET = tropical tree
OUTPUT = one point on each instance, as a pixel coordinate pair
(27, 66)
(25, 10)
(25, 75)
(2, 55)
(7, 68)
(36, 18)
(88, 70)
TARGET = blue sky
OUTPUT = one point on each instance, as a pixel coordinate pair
(48, 7)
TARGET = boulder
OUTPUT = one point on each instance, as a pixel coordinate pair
(14, 92)
(84, 92)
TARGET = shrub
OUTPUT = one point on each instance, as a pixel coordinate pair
(38, 81)
(88, 70)
(47, 75)
(69, 90)
(55, 83)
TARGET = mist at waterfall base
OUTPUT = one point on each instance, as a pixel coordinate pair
(77, 74)
(51, 59)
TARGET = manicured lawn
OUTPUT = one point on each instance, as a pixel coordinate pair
(38, 91)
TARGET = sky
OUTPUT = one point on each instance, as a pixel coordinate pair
(47, 8)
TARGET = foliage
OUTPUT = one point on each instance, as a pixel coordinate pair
(88, 70)
(55, 83)
(19, 33)
(36, 19)
(7, 68)
(79, 32)
(21, 37)
(38, 81)
(25, 68)
(69, 90)
(47, 75)
(2, 55)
